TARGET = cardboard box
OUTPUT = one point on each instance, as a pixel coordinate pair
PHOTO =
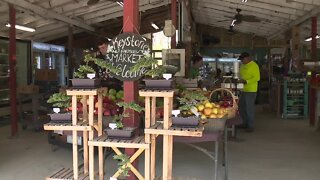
(46, 75)
(28, 89)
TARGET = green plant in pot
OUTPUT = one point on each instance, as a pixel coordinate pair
(117, 129)
(187, 113)
(160, 76)
(86, 75)
(61, 103)
(123, 161)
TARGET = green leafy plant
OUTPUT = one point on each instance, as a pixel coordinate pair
(150, 65)
(123, 164)
(60, 100)
(119, 118)
(83, 70)
(190, 99)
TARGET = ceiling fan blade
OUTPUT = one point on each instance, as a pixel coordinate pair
(92, 2)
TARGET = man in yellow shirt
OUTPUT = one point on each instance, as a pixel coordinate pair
(250, 76)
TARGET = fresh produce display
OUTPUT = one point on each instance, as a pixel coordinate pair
(193, 103)
(110, 99)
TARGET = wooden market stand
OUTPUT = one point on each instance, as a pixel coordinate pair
(88, 126)
(145, 143)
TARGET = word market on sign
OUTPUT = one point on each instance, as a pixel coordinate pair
(124, 51)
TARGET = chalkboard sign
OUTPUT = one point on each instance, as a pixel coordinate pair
(124, 51)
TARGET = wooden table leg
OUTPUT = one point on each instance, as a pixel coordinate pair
(153, 157)
(85, 152)
(101, 163)
(75, 154)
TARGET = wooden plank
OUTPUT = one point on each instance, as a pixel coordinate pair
(100, 113)
(85, 152)
(166, 112)
(82, 92)
(75, 154)
(118, 144)
(156, 93)
(67, 128)
(192, 132)
(153, 156)
(170, 149)
(91, 148)
(101, 163)
(147, 112)
(84, 108)
(165, 166)
(153, 110)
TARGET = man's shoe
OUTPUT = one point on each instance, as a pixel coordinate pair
(249, 129)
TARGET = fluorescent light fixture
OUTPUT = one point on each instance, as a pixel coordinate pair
(120, 3)
(310, 38)
(244, 1)
(233, 22)
(23, 28)
(154, 26)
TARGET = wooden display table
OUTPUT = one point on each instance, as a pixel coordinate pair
(136, 143)
(87, 126)
(153, 129)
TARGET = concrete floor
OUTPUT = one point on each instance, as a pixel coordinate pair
(278, 150)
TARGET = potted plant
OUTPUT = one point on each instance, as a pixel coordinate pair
(117, 129)
(85, 76)
(60, 103)
(187, 113)
(123, 161)
(161, 76)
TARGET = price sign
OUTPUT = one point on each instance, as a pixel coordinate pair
(124, 51)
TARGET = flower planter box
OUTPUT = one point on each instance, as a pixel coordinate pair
(159, 83)
(125, 133)
(185, 121)
(85, 83)
(61, 117)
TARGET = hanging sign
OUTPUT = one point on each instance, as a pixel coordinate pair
(124, 51)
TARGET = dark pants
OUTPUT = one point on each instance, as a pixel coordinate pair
(246, 108)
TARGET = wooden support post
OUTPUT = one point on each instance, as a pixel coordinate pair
(153, 110)
(167, 153)
(75, 139)
(85, 136)
(91, 148)
(100, 148)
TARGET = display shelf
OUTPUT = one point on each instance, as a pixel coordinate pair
(137, 142)
(67, 174)
(295, 98)
(83, 126)
(175, 131)
(86, 126)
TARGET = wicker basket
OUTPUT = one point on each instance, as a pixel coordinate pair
(232, 111)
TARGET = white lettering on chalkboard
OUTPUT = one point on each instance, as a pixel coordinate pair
(124, 51)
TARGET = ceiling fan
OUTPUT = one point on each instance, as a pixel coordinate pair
(239, 18)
